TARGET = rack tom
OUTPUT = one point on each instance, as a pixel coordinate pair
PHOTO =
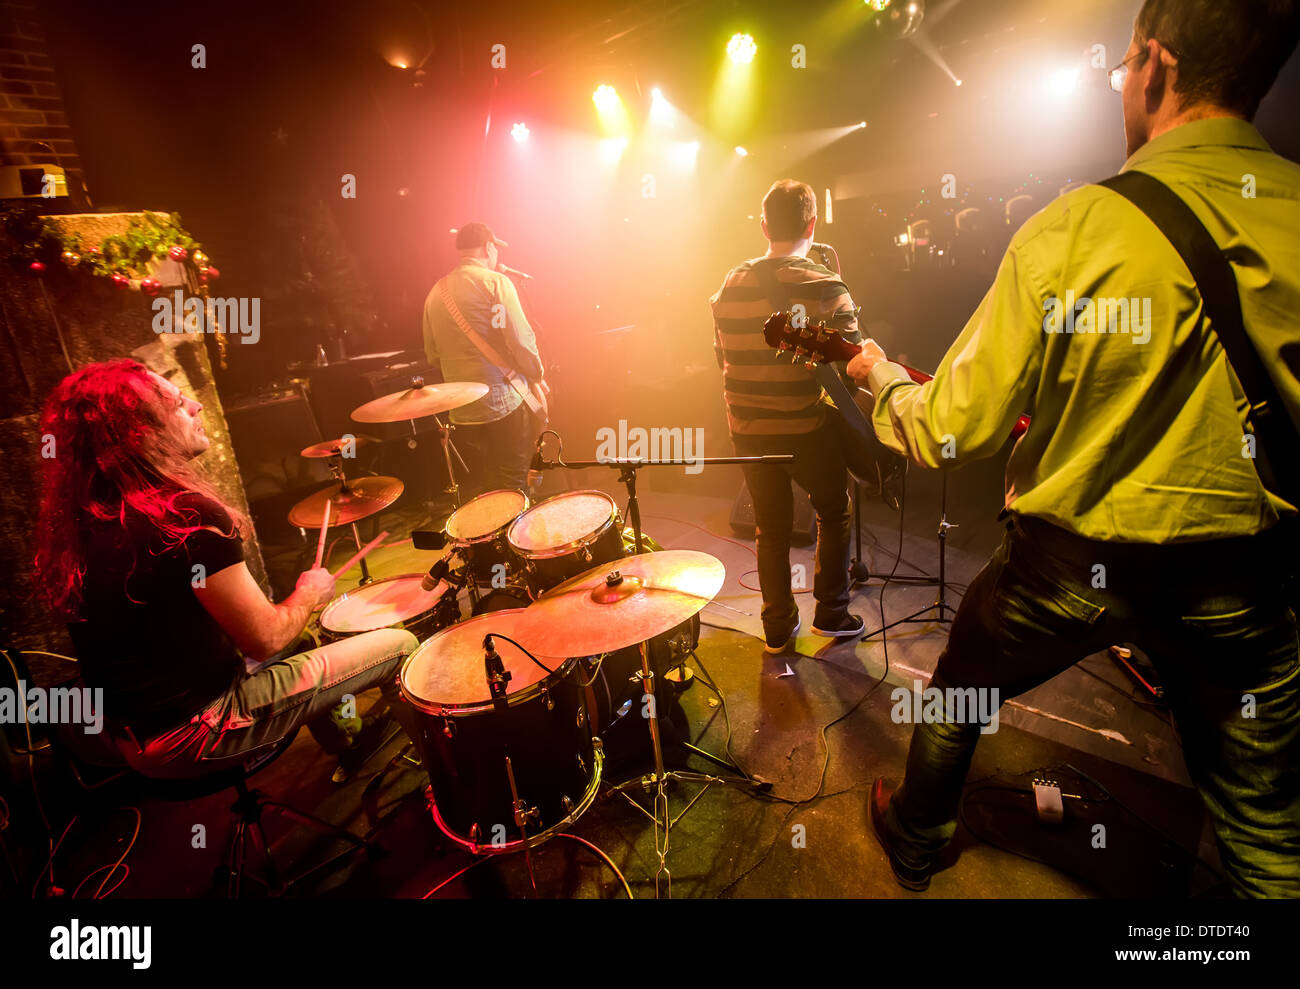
(477, 530)
(565, 535)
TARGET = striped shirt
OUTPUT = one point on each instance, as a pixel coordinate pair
(766, 395)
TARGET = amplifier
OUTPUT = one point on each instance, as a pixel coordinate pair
(805, 517)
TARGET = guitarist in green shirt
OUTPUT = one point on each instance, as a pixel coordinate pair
(1153, 496)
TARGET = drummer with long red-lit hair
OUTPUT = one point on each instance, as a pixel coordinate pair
(146, 563)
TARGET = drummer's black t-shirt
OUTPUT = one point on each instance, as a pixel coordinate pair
(144, 637)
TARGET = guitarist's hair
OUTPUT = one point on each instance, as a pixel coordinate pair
(788, 207)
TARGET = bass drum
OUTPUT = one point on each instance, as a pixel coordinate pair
(479, 755)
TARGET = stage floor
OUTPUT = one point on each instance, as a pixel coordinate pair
(731, 843)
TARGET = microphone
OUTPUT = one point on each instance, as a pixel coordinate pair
(505, 269)
(539, 464)
(439, 572)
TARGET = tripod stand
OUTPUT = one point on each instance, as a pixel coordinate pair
(617, 586)
(860, 572)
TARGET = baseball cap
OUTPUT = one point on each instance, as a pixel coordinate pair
(477, 235)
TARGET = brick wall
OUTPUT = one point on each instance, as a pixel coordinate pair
(31, 105)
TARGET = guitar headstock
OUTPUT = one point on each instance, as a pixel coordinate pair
(813, 343)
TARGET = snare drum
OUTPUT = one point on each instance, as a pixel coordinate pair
(543, 738)
(562, 536)
(394, 602)
(478, 530)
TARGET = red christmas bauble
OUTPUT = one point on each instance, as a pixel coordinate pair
(212, 273)
(177, 253)
(150, 286)
(37, 267)
(120, 280)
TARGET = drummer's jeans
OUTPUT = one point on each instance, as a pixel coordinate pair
(496, 453)
(259, 711)
(819, 469)
(1219, 626)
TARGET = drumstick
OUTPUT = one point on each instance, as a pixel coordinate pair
(320, 543)
(360, 553)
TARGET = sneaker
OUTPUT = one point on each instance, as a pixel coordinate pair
(778, 645)
(374, 735)
(846, 628)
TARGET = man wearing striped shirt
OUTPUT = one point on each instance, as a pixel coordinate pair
(775, 407)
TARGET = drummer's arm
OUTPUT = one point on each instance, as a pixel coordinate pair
(259, 628)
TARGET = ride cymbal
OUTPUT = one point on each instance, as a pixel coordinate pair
(620, 603)
(424, 400)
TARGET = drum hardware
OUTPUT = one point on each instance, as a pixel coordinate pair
(525, 814)
(602, 611)
(418, 401)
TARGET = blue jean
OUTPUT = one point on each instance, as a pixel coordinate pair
(1216, 620)
(259, 711)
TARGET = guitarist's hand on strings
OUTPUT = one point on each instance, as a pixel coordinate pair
(861, 365)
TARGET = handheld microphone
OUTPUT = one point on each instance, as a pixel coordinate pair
(505, 269)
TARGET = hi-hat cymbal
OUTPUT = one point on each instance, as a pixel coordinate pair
(425, 400)
(333, 448)
(363, 497)
(620, 603)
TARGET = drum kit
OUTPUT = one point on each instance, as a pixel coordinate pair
(570, 628)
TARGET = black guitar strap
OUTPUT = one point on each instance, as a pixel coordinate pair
(1275, 433)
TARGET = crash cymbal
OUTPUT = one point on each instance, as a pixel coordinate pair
(620, 603)
(363, 497)
(423, 400)
(333, 448)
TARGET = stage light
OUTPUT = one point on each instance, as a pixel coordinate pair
(900, 20)
(862, 125)
(958, 82)
(662, 113)
(605, 97)
(743, 152)
(878, 5)
(683, 154)
(612, 148)
(1063, 82)
(741, 49)
(520, 132)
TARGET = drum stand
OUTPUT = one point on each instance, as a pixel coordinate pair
(658, 781)
(448, 449)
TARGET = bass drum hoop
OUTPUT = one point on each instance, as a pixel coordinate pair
(573, 546)
(530, 692)
(532, 841)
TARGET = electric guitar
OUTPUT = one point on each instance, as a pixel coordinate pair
(817, 345)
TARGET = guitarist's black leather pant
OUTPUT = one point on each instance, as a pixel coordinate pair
(819, 469)
(1215, 618)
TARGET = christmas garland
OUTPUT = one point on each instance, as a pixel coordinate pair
(148, 239)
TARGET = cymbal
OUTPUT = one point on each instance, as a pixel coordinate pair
(364, 497)
(413, 403)
(620, 603)
(333, 448)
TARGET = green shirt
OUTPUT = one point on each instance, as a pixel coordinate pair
(1127, 444)
(488, 301)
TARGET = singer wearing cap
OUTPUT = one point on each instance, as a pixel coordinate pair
(475, 330)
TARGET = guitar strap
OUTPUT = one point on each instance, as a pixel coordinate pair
(513, 377)
(1269, 420)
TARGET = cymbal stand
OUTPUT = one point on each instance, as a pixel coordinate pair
(658, 781)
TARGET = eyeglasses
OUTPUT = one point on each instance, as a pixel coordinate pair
(1118, 74)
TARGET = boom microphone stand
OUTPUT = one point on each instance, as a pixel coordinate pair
(659, 778)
